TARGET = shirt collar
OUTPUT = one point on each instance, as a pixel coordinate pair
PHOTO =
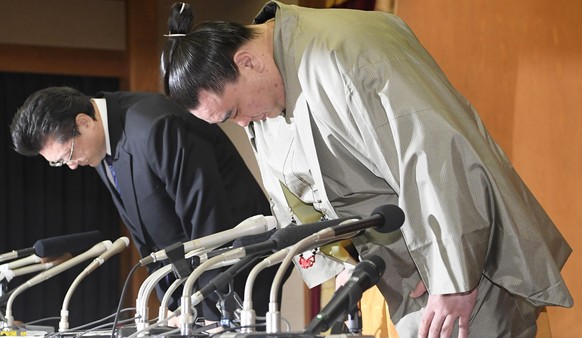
(101, 105)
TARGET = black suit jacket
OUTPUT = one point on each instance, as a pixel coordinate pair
(179, 177)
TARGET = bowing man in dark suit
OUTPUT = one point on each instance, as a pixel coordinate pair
(172, 176)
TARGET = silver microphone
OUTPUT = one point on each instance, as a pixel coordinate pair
(96, 250)
(251, 226)
(119, 245)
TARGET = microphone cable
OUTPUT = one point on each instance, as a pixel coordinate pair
(122, 296)
(124, 321)
(160, 323)
(80, 327)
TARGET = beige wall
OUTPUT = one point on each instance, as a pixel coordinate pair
(94, 24)
(520, 64)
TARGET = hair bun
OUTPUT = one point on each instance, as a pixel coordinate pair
(180, 19)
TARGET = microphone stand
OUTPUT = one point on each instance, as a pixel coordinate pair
(248, 316)
(3, 290)
(323, 237)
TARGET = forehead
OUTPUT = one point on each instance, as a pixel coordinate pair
(53, 149)
(213, 108)
(209, 108)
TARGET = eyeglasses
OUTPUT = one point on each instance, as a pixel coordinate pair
(60, 163)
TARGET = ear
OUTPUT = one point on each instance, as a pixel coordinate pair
(245, 59)
(83, 121)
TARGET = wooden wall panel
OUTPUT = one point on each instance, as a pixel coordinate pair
(143, 76)
(520, 64)
(57, 60)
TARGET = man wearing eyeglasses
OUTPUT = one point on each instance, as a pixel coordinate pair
(172, 176)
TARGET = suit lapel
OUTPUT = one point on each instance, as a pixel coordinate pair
(122, 164)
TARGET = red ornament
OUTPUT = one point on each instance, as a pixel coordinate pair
(306, 263)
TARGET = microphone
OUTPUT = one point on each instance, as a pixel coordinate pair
(119, 245)
(223, 279)
(58, 245)
(384, 218)
(251, 226)
(366, 274)
(6, 267)
(247, 314)
(73, 243)
(96, 250)
(16, 254)
(9, 274)
(253, 239)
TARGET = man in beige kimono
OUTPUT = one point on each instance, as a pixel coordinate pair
(349, 111)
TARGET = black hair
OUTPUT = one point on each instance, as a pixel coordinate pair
(200, 58)
(48, 113)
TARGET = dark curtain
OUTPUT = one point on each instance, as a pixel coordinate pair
(38, 201)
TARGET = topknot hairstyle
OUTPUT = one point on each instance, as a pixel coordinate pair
(180, 20)
(199, 58)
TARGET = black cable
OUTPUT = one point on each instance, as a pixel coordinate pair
(230, 329)
(135, 267)
(39, 321)
(124, 321)
(52, 335)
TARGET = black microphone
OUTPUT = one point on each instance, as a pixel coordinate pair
(384, 219)
(73, 243)
(56, 246)
(292, 234)
(16, 254)
(223, 279)
(366, 274)
(253, 239)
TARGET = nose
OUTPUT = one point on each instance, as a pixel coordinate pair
(242, 121)
(73, 165)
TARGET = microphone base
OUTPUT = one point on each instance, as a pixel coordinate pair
(153, 332)
(121, 333)
(30, 331)
(284, 335)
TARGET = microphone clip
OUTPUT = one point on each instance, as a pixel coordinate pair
(176, 255)
(229, 305)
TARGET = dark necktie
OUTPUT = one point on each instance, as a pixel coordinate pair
(109, 161)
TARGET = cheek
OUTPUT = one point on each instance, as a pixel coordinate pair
(254, 105)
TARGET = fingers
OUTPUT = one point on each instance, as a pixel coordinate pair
(463, 327)
(442, 311)
(425, 323)
(56, 259)
(418, 291)
(447, 327)
(434, 326)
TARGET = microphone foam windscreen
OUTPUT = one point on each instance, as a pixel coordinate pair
(252, 239)
(393, 217)
(73, 243)
(379, 267)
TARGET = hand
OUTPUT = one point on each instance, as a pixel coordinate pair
(57, 259)
(174, 321)
(442, 311)
(342, 278)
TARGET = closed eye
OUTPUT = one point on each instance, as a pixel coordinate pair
(227, 116)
